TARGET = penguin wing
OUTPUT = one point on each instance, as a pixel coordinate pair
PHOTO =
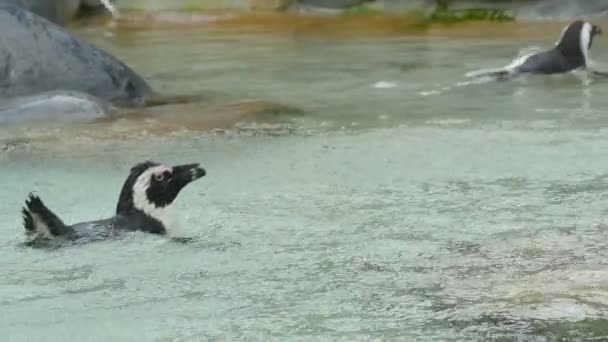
(38, 219)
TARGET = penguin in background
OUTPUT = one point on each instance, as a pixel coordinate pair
(571, 52)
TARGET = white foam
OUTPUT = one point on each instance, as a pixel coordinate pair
(429, 92)
(509, 68)
(385, 85)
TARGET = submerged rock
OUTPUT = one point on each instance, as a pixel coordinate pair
(54, 106)
(38, 56)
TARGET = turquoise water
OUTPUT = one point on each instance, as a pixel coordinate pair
(397, 203)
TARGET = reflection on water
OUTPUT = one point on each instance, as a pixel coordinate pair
(333, 208)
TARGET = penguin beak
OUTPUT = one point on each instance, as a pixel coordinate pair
(187, 173)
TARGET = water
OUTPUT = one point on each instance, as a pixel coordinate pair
(400, 204)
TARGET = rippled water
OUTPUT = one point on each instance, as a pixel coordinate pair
(395, 203)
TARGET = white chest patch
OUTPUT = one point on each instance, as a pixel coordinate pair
(585, 40)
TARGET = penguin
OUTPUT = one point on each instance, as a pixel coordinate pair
(143, 205)
(571, 52)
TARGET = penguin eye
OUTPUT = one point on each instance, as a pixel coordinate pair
(159, 177)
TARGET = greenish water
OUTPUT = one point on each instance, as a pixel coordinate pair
(402, 205)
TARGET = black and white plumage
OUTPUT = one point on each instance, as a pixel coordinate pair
(571, 52)
(144, 205)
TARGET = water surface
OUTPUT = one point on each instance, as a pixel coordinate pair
(398, 202)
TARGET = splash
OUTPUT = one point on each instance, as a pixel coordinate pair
(482, 76)
(440, 90)
(110, 7)
(385, 85)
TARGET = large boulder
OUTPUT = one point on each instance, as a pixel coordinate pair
(38, 56)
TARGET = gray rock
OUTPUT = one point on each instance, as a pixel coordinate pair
(539, 9)
(523, 9)
(55, 106)
(562, 9)
(38, 56)
(409, 5)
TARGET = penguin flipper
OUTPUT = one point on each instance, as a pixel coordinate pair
(502, 75)
(498, 74)
(598, 74)
(40, 220)
(182, 240)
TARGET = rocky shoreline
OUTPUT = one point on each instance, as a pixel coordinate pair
(520, 9)
(62, 11)
(41, 57)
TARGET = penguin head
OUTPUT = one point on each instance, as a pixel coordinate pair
(576, 39)
(152, 187)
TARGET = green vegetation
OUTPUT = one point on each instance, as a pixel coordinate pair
(362, 10)
(470, 14)
(444, 14)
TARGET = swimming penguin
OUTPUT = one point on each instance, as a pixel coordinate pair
(143, 205)
(571, 52)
